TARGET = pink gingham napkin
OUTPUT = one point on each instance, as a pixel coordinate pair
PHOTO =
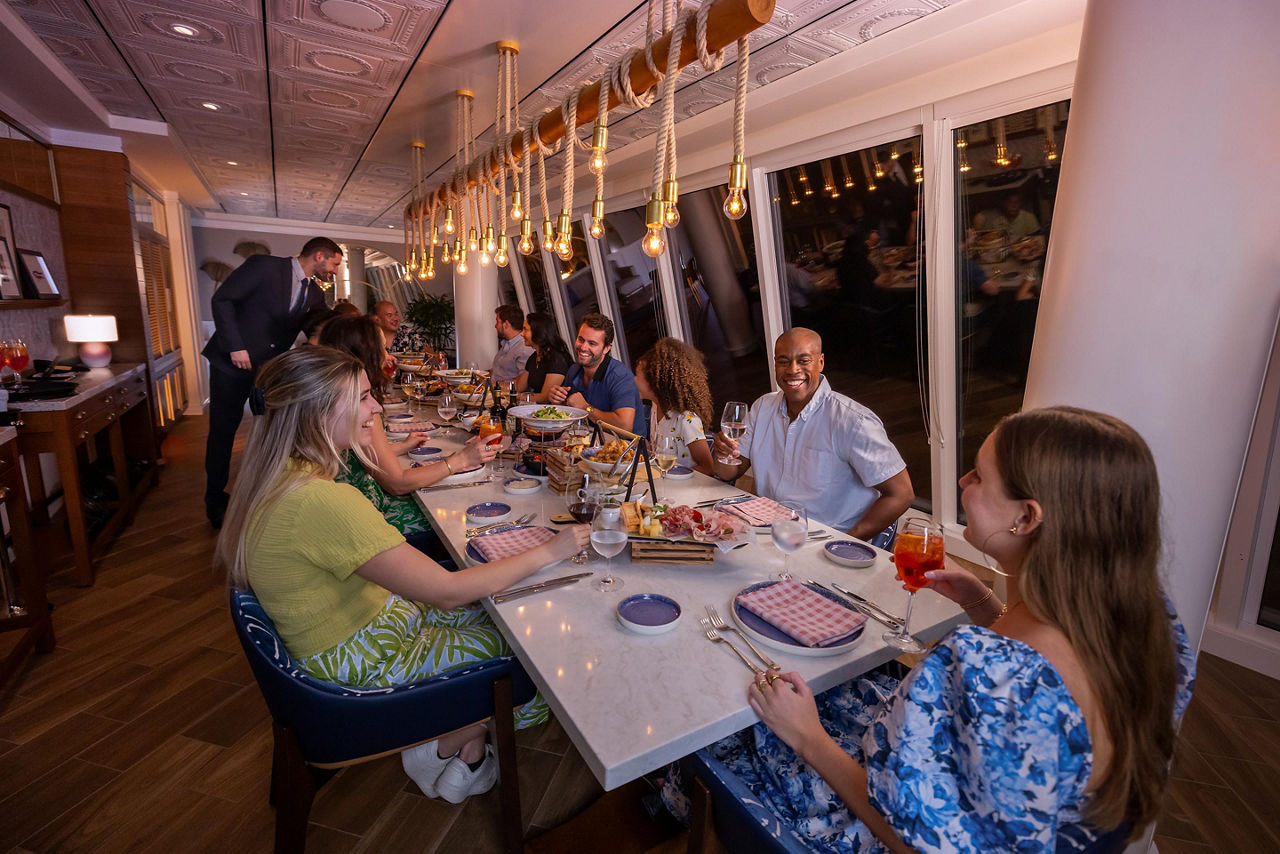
(502, 544)
(809, 617)
(759, 512)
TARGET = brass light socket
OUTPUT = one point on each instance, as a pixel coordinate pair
(600, 136)
(597, 208)
(564, 224)
(670, 191)
(526, 227)
(653, 213)
(737, 174)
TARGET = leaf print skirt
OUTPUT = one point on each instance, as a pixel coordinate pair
(407, 641)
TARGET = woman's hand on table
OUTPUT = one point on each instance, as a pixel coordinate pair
(570, 541)
(474, 454)
(787, 707)
(416, 439)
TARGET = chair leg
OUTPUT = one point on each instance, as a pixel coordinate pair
(508, 779)
(700, 830)
(293, 788)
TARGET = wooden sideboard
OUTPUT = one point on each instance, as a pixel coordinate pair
(109, 417)
(24, 575)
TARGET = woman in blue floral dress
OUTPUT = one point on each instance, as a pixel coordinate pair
(1047, 724)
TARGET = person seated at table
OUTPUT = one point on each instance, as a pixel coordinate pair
(513, 350)
(550, 361)
(1049, 723)
(599, 383)
(387, 484)
(353, 603)
(810, 444)
(673, 376)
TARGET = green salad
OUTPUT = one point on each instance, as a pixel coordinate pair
(549, 412)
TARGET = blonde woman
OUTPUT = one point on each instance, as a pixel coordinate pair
(353, 603)
(1048, 724)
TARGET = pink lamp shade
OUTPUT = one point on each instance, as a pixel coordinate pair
(92, 332)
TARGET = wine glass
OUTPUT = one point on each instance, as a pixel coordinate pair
(789, 535)
(16, 357)
(733, 423)
(584, 510)
(918, 549)
(608, 538)
(446, 409)
(664, 453)
(4, 354)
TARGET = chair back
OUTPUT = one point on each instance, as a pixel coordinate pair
(742, 823)
(336, 724)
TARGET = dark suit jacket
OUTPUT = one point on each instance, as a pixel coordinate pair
(251, 312)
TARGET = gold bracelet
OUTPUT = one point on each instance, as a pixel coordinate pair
(976, 602)
(447, 465)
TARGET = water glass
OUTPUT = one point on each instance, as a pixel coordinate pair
(789, 535)
(608, 538)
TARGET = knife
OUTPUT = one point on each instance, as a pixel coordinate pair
(866, 611)
(517, 592)
(455, 485)
(873, 609)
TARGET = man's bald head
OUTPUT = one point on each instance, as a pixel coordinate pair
(811, 340)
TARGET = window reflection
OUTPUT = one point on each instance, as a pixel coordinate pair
(633, 281)
(576, 284)
(715, 264)
(852, 258)
(1007, 179)
(506, 279)
(535, 274)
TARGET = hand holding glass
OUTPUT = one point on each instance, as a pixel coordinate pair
(584, 510)
(733, 423)
(918, 549)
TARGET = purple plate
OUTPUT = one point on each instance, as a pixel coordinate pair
(773, 636)
(850, 553)
(425, 453)
(679, 473)
(473, 553)
(649, 613)
(489, 510)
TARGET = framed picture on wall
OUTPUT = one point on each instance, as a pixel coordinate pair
(10, 286)
(38, 271)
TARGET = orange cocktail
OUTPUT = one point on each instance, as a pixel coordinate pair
(916, 553)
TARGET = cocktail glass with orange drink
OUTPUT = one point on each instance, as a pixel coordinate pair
(918, 549)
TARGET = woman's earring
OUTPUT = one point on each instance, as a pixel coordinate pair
(1013, 530)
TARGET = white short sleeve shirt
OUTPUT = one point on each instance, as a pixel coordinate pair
(687, 427)
(829, 459)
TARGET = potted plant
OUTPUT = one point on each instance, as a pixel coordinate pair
(433, 315)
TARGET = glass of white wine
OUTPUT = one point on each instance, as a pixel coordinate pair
(446, 409)
(733, 423)
(664, 453)
(608, 538)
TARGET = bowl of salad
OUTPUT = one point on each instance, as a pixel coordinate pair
(546, 418)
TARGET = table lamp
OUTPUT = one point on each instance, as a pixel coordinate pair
(92, 332)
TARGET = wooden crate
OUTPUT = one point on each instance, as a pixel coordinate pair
(680, 551)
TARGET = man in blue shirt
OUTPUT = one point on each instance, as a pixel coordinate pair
(599, 383)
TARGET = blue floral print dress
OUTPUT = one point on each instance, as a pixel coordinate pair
(980, 748)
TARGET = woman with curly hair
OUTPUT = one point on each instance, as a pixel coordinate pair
(673, 376)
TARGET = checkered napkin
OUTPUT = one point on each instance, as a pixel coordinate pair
(502, 544)
(760, 512)
(809, 617)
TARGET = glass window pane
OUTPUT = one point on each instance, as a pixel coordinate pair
(633, 279)
(506, 279)
(578, 288)
(1006, 180)
(715, 263)
(852, 254)
(536, 275)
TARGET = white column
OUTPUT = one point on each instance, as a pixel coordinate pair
(475, 298)
(1160, 294)
(186, 299)
(354, 256)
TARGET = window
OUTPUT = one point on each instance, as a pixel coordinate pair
(577, 285)
(535, 274)
(506, 280)
(1006, 182)
(715, 265)
(632, 279)
(154, 271)
(852, 253)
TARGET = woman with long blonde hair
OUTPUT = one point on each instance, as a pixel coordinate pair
(353, 603)
(1049, 723)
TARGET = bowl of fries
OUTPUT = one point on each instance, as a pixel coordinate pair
(602, 459)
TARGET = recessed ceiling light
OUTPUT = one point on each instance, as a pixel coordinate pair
(244, 194)
(184, 30)
(232, 163)
(209, 105)
(391, 226)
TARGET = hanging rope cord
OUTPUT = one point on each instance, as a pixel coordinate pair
(739, 90)
(602, 118)
(543, 151)
(569, 113)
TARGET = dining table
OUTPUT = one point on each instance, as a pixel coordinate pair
(632, 703)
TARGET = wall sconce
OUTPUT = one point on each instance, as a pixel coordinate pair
(92, 332)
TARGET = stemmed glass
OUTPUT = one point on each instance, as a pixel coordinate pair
(733, 423)
(608, 538)
(918, 549)
(16, 357)
(584, 510)
(446, 409)
(789, 535)
(664, 453)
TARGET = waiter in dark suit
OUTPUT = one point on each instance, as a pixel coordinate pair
(257, 314)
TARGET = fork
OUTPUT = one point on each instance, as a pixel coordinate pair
(523, 520)
(714, 636)
(718, 622)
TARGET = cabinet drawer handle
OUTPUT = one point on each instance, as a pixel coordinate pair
(83, 434)
(4, 492)
(108, 400)
(111, 416)
(80, 415)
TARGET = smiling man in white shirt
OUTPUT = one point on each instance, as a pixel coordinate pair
(810, 444)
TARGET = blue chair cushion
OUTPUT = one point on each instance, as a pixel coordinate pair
(742, 822)
(339, 723)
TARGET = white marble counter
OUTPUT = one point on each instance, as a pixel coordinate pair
(88, 384)
(8, 434)
(633, 703)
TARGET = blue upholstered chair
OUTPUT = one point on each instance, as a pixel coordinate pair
(320, 727)
(721, 803)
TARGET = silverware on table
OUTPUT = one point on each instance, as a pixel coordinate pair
(718, 622)
(523, 520)
(457, 485)
(818, 536)
(714, 637)
(530, 589)
(877, 615)
(711, 502)
(872, 609)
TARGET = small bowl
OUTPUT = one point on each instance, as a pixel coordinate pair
(850, 553)
(538, 467)
(393, 436)
(522, 470)
(679, 473)
(604, 468)
(399, 406)
(401, 418)
(488, 512)
(649, 613)
(424, 454)
(469, 418)
(521, 485)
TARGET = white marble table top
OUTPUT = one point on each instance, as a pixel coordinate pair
(88, 384)
(634, 703)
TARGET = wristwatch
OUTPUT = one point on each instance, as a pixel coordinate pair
(590, 409)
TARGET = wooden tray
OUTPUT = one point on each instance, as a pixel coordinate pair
(679, 551)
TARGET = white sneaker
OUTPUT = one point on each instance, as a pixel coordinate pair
(424, 766)
(457, 782)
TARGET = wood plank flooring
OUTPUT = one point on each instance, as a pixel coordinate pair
(144, 732)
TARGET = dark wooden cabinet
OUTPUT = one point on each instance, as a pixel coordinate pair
(24, 576)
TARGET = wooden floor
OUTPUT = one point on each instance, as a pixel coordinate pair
(144, 732)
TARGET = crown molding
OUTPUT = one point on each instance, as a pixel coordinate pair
(334, 231)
